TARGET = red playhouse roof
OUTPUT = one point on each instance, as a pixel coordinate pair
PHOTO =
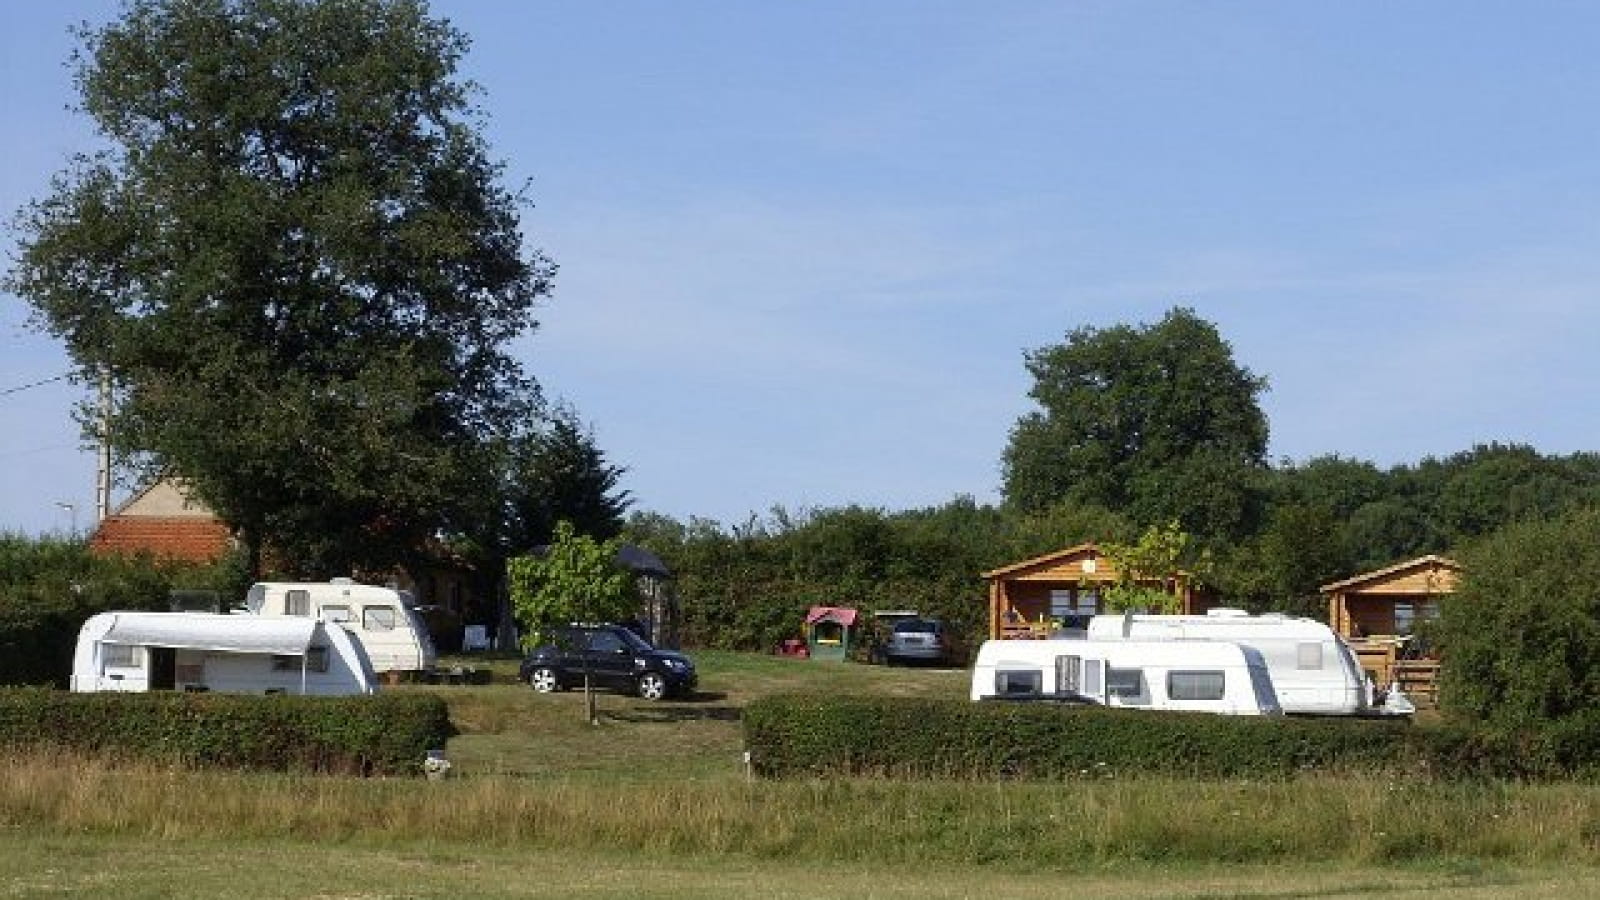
(841, 614)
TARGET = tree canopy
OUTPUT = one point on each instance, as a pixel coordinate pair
(557, 473)
(1157, 421)
(575, 578)
(297, 265)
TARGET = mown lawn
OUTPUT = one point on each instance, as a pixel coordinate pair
(34, 866)
(507, 729)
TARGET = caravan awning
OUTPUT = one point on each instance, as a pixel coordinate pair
(283, 635)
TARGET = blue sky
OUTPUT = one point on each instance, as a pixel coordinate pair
(804, 246)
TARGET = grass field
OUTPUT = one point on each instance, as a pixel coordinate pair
(652, 802)
(698, 739)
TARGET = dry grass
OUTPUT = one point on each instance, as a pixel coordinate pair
(1019, 826)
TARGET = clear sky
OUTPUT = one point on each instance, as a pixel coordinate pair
(803, 246)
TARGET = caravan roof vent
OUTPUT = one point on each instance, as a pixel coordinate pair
(1228, 612)
(341, 581)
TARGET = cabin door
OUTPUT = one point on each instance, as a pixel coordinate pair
(163, 668)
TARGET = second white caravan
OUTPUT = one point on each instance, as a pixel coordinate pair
(1212, 677)
(1313, 671)
(393, 635)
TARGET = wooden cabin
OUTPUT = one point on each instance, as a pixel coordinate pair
(1034, 597)
(1378, 612)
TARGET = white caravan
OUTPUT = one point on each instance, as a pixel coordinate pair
(175, 651)
(1212, 677)
(1313, 671)
(394, 636)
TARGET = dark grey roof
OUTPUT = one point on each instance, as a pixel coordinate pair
(632, 557)
(640, 561)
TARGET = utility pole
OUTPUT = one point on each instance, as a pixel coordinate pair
(102, 481)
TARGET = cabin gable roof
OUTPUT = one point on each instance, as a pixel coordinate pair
(1431, 574)
(1072, 564)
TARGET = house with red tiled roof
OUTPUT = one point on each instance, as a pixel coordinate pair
(163, 520)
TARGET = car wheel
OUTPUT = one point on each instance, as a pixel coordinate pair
(544, 680)
(652, 686)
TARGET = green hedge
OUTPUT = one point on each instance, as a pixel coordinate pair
(809, 736)
(387, 734)
(49, 586)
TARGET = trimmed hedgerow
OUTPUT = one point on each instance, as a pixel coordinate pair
(388, 734)
(809, 736)
(792, 736)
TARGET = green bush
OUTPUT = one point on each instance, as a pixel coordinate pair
(49, 586)
(809, 736)
(388, 734)
(792, 736)
(1521, 635)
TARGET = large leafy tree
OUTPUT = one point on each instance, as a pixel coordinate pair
(1157, 421)
(297, 264)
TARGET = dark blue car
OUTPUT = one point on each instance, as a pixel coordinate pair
(614, 657)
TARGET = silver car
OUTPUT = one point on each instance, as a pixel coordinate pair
(917, 640)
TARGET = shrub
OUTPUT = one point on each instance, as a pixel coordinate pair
(791, 736)
(389, 734)
(810, 736)
(1521, 636)
(49, 586)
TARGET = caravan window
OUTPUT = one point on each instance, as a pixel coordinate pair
(1018, 683)
(316, 661)
(1091, 677)
(1124, 682)
(297, 603)
(377, 618)
(336, 612)
(1309, 656)
(119, 656)
(1196, 685)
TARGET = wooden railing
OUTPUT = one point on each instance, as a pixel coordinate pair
(1382, 657)
(1419, 678)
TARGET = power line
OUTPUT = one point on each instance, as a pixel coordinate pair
(23, 387)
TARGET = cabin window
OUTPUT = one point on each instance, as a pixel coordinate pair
(1408, 615)
(336, 612)
(1067, 674)
(1070, 603)
(1124, 682)
(120, 656)
(1309, 656)
(1196, 685)
(377, 618)
(297, 603)
(316, 660)
(1018, 683)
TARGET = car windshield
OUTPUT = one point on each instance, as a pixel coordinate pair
(916, 626)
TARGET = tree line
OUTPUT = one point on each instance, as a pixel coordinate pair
(1138, 429)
